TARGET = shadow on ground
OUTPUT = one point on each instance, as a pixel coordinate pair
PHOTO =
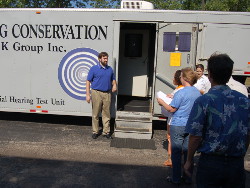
(46, 118)
(63, 119)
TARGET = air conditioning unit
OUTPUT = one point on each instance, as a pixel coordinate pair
(129, 4)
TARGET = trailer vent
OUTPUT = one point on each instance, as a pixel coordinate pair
(126, 4)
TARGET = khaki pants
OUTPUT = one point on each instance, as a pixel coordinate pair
(101, 103)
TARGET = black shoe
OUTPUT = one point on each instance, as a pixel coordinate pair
(170, 180)
(186, 180)
(94, 136)
(108, 136)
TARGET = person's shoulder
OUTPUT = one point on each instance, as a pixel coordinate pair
(237, 86)
(187, 88)
(205, 78)
(94, 67)
(193, 89)
(109, 67)
(239, 94)
(210, 95)
(203, 99)
(180, 92)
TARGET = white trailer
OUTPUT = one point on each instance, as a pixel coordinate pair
(46, 55)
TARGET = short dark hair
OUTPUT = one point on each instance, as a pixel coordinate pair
(220, 68)
(200, 66)
(177, 77)
(189, 75)
(102, 54)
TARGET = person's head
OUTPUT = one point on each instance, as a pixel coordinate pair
(177, 80)
(188, 76)
(220, 68)
(199, 70)
(103, 58)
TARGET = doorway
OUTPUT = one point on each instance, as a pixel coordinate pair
(136, 66)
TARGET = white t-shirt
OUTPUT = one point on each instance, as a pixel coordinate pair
(237, 86)
(203, 84)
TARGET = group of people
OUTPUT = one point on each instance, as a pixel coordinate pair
(211, 119)
(207, 116)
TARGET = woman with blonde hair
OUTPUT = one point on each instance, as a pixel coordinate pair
(177, 82)
(181, 106)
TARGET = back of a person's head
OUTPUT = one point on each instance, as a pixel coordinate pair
(177, 77)
(220, 67)
(189, 75)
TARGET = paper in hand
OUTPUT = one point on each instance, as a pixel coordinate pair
(167, 100)
(164, 97)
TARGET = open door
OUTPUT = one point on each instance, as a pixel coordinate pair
(136, 66)
(135, 80)
(176, 49)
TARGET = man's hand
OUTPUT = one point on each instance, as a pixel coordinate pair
(188, 168)
(114, 88)
(88, 99)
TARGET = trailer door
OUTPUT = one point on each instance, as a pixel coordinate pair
(176, 49)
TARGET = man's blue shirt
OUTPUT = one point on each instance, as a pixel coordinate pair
(222, 118)
(101, 77)
(183, 100)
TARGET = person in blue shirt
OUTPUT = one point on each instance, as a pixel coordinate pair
(101, 78)
(180, 106)
(219, 128)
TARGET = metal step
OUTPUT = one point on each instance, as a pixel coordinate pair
(133, 116)
(124, 132)
(136, 125)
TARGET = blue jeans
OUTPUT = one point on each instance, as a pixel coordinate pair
(179, 146)
(220, 172)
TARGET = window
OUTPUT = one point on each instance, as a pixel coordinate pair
(133, 45)
(173, 41)
(169, 41)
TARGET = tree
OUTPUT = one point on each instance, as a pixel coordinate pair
(103, 4)
(218, 5)
(41, 3)
(167, 5)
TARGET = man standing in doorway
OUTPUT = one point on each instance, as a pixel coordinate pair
(102, 80)
(219, 128)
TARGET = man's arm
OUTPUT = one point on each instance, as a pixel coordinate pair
(194, 142)
(88, 91)
(114, 87)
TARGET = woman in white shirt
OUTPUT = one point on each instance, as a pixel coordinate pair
(202, 84)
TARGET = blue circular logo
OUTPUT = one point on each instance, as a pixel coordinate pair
(73, 71)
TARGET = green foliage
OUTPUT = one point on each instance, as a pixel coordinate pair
(167, 5)
(192, 5)
(39, 3)
(218, 5)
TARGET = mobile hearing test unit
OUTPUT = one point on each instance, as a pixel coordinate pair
(46, 55)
